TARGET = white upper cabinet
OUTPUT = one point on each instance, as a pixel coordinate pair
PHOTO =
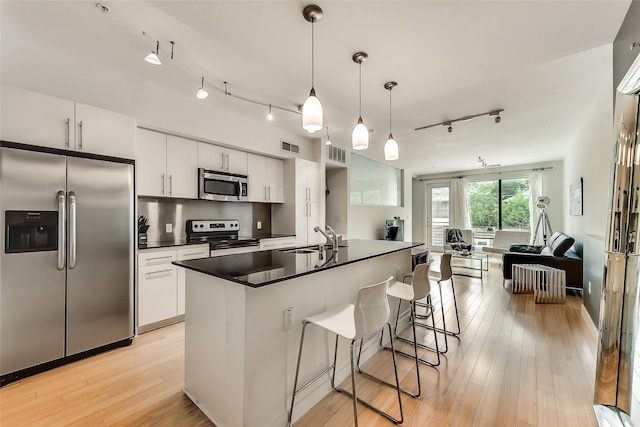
(265, 179)
(216, 158)
(33, 118)
(307, 181)
(104, 132)
(151, 163)
(166, 165)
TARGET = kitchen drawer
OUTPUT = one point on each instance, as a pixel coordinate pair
(234, 251)
(277, 243)
(157, 289)
(193, 252)
(146, 259)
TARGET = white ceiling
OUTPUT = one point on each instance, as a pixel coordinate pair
(541, 61)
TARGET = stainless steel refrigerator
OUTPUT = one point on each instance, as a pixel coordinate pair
(66, 269)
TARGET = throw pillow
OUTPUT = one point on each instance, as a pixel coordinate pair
(562, 244)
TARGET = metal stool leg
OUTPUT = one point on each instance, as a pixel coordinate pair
(295, 381)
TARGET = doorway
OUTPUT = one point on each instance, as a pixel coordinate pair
(437, 213)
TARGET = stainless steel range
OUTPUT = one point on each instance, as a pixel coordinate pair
(222, 235)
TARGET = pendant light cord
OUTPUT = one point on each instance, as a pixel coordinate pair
(312, 53)
(390, 111)
(360, 84)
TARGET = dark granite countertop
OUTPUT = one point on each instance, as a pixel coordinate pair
(258, 269)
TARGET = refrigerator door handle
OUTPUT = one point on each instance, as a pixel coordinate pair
(72, 230)
(62, 232)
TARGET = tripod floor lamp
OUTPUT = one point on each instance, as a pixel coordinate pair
(543, 220)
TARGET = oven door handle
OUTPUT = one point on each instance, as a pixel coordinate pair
(62, 232)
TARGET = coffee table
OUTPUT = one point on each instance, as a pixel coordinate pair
(477, 261)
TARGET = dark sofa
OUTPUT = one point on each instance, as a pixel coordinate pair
(557, 254)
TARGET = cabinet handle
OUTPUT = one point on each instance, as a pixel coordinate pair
(162, 184)
(265, 193)
(227, 161)
(149, 260)
(269, 193)
(149, 274)
(170, 185)
(68, 131)
(80, 135)
(222, 161)
(196, 253)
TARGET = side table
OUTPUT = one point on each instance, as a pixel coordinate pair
(548, 284)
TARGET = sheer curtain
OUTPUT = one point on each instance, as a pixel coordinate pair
(535, 185)
(459, 211)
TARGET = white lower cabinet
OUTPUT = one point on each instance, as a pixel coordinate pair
(161, 285)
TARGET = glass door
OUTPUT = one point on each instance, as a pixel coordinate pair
(437, 214)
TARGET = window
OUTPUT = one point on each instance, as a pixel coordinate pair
(501, 204)
(374, 183)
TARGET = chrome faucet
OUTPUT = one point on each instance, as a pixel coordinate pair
(332, 238)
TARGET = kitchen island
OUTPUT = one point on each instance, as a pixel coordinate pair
(243, 323)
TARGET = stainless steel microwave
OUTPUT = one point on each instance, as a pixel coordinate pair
(224, 186)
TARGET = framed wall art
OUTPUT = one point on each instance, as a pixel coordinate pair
(575, 198)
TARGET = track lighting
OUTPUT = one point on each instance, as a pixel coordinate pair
(312, 108)
(152, 58)
(449, 123)
(360, 134)
(201, 93)
(391, 146)
(328, 138)
(270, 116)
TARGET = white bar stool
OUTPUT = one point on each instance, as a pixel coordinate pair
(446, 274)
(366, 317)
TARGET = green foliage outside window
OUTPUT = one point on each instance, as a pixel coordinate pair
(483, 204)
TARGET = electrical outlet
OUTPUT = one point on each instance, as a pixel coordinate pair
(589, 287)
(259, 225)
(287, 315)
(168, 228)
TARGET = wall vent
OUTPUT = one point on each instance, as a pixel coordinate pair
(336, 154)
(292, 148)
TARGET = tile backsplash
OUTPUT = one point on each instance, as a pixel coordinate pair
(163, 211)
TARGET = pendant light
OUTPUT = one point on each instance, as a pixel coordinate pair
(391, 146)
(360, 135)
(201, 93)
(328, 138)
(270, 115)
(152, 58)
(312, 108)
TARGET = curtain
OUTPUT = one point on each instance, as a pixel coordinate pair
(458, 205)
(535, 186)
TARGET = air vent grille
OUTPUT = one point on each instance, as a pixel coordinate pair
(336, 154)
(292, 148)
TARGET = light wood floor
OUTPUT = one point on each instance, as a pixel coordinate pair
(516, 364)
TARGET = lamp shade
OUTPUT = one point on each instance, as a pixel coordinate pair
(391, 149)
(360, 136)
(312, 113)
(152, 58)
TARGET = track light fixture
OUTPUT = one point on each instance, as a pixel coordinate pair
(152, 58)
(312, 108)
(269, 115)
(328, 139)
(449, 123)
(391, 146)
(360, 134)
(201, 93)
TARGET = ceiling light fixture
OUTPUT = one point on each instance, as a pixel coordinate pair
(360, 134)
(201, 93)
(312, 108)
(152, 58)
(328, 139)
(391, 146)
(270, 116)
(448, 123)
